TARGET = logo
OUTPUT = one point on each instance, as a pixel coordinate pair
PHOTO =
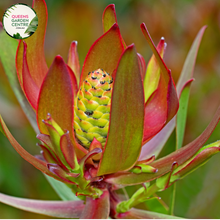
(20, 21)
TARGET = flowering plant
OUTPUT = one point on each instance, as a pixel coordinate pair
(101, 128)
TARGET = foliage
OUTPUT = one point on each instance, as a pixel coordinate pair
(52, 91)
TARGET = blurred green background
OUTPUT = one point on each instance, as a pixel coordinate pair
(198, 195)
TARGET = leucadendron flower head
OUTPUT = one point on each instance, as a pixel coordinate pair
(92, 108)
(105, 113)
(94, 124)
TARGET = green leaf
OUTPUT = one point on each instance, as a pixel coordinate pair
(8, 48)
(64, 192)
(141, 195)
(183, 87)
(104, 53)
(188, 67)
(155, 145)
(180, 130)
(109, 17)
(39, 164)
(164, 165)
(35, 44)
(184, 90)
(182, 114)
(166, 93)
(59, 209)
(200, 158)
(152, 76)
(56, 97)
(73, 60)
(127, 116)
(31, 90)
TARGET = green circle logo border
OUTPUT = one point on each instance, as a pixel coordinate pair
(30, 22)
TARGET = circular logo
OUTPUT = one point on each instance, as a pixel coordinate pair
(20, 21)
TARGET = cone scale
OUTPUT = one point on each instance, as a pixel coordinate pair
(92, 108)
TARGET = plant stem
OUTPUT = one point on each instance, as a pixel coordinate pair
(138, 197)
(172, 199)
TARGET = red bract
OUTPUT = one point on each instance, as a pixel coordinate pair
(138, 112)
(133, 120)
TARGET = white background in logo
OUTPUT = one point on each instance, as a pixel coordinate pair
(17, 19)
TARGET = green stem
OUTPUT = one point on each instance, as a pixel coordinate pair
(138, 197)
(172, 199)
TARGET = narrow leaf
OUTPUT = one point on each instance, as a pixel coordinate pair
(182, 114)
(40, 165)
(127, 116)
(97, 208)
(155, 145)
(30, 88)
(59, 172)
(35, 44)
(109, 17)
(160, 61)
(171, 106)
(104, 53)
(59, 209)
(152, 76)
(189, 64)
(164, 165)
(62, 189)
(73, 60)
(200, 158)
(8, 47)
(67, 149)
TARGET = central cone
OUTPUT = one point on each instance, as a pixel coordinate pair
(92, 108)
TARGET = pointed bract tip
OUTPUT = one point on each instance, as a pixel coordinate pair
(112, 6)
(96, 145)
(143, 25)
(114, 26)
(74, 43)
(131, 46)
(58, 59)
(162, 38)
